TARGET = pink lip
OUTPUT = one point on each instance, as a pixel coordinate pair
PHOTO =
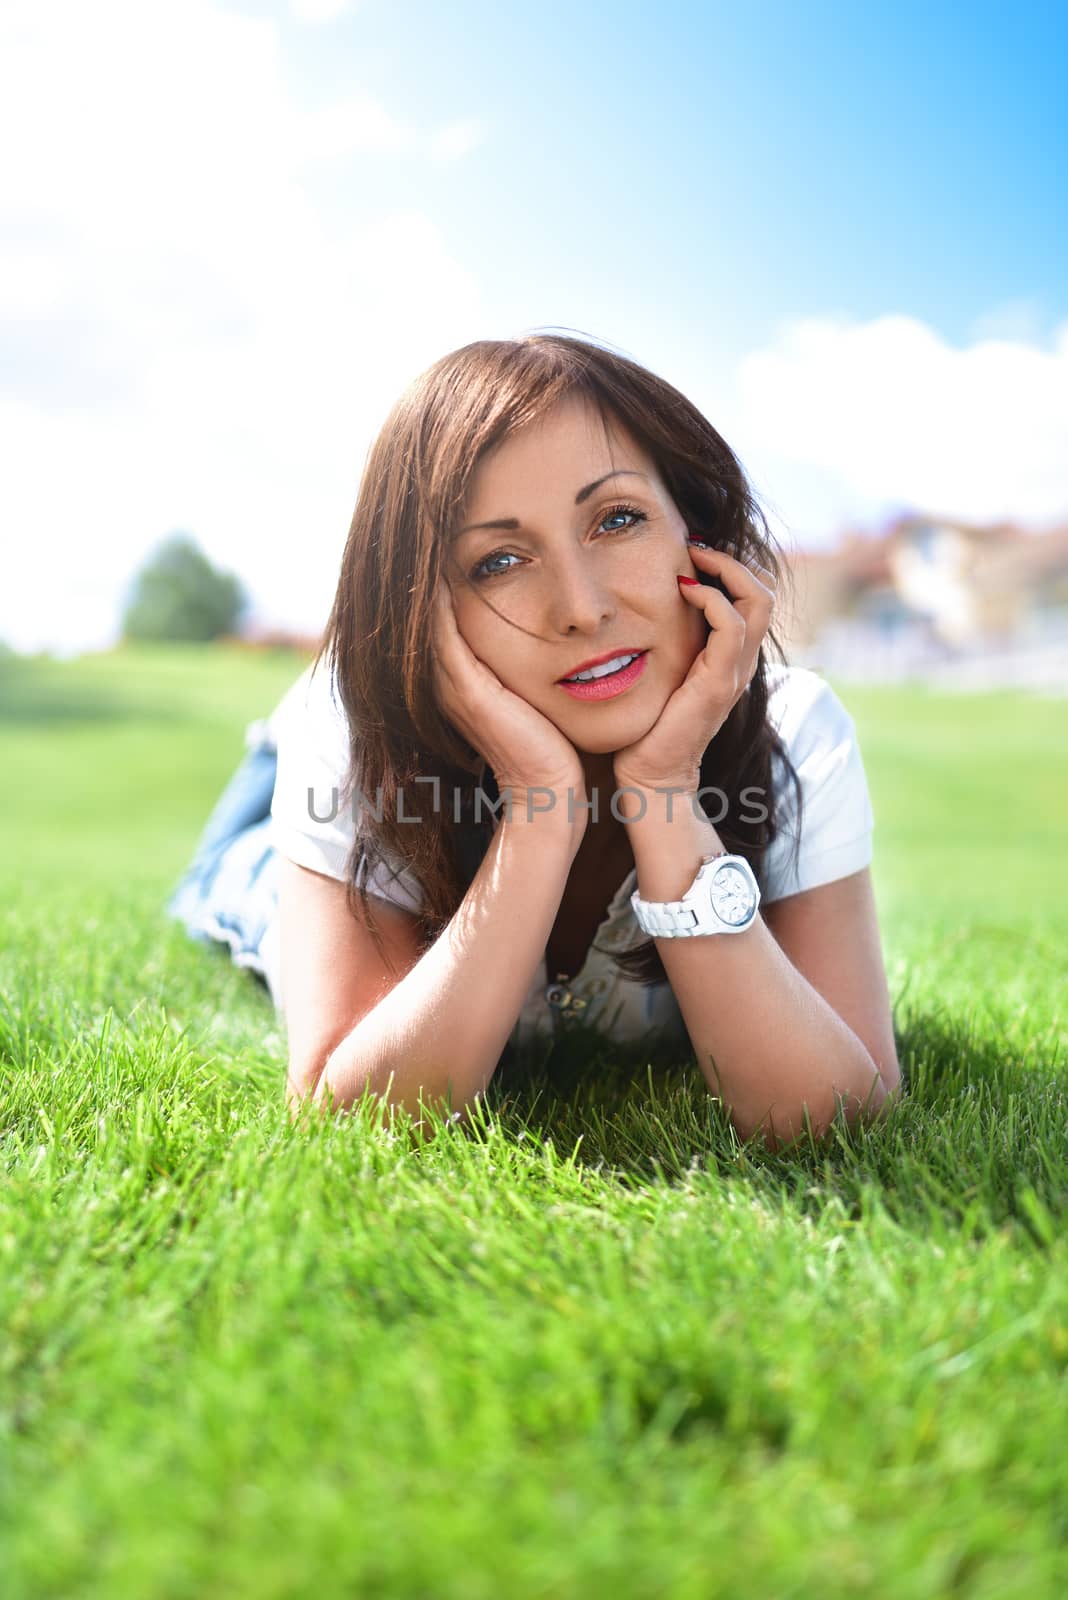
(607, 688)
(597, 661)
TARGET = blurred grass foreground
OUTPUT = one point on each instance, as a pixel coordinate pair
(590, 1345)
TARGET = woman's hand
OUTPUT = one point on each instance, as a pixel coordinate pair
(669, 755)
(524, 749)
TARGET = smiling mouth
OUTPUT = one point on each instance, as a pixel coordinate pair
(610, 684)
(595, 674)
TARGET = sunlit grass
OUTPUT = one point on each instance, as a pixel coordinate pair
(589, 1345)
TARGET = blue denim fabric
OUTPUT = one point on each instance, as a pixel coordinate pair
(228, 893)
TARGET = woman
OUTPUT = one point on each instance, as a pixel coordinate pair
(474, 837)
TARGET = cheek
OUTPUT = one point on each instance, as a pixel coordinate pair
(495, 644)
(473, 622)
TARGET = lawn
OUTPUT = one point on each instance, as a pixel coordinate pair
(591, 1345)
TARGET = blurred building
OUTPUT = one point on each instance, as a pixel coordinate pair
(979, 584)
(937, 598)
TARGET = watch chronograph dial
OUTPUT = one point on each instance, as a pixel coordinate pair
(731, 895)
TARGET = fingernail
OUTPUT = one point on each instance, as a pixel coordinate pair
(686, 580)
(700, 543)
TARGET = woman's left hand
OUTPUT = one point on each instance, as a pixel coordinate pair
(669, 755)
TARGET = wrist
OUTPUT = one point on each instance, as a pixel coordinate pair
(685, 779)
(546, 810)
(670, 835)
(541, 839)
(664, 801)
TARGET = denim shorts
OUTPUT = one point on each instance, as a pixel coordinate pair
(229, 892)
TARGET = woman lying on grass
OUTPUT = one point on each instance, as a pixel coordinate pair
(543, 767)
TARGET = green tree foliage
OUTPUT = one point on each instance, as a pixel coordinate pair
(178, 594)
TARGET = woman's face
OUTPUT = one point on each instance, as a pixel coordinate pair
(585, 579)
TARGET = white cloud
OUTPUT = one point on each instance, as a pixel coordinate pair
(363, 126)
(188, 337)
(847, 419)
(192, 336)
(360, 126)
(322, 10)
(456, 139)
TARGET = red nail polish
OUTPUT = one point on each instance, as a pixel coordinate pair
(686, 580)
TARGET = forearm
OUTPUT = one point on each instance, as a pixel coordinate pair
(767, 1042)
(443, 1027)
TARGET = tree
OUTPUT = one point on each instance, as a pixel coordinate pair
(178, 594)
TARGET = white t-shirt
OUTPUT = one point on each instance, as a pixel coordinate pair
(313, 825)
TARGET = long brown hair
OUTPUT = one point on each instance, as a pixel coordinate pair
(411, 496)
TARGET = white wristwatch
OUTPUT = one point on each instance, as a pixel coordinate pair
(723, 898)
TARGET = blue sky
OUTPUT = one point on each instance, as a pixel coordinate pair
(239, 230)
(760, 162)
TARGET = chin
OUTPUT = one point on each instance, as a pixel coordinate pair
(632, 730)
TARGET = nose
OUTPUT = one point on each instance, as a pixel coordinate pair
(580, 600)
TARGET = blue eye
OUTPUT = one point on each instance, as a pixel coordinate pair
(480, 575)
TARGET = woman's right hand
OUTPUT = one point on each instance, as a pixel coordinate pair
(524, 749)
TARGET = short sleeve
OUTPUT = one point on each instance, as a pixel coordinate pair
(837, 821)
(315, 811)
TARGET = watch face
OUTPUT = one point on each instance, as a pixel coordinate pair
(731, 895)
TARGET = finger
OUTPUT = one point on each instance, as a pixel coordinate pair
(443, 600)
(456, 658)
(693, 542)
(439, 621)
(451, 623)
(753, 629)
(721, 613)
(740, 579)
(447, 640)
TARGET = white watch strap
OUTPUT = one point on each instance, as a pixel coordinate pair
(667, 917)
(674, 919)
(670, 918)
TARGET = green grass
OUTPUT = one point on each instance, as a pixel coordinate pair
(590, 1346)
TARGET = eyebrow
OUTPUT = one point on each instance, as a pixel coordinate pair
(583, 494)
